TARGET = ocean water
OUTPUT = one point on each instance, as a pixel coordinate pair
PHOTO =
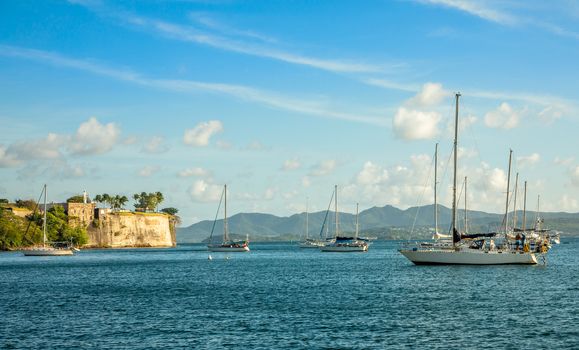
(280, 297)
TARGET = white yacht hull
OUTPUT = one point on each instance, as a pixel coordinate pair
(468, 257)
(48, 252)
(227, 249)
(344, 249)
(311, 245)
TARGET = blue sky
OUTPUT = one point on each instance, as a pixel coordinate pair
(283, 99)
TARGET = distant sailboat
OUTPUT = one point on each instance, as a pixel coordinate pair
(469, 249)
(46, 250)
(343, 244)
(309, 242)
(227, 245)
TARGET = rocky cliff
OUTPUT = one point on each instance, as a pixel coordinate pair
(129, 229)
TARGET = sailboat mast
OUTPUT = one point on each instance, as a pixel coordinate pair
(357, 204)
(455, 151)
(435, 189)
(537, 218)
(515, 201)
(307, 225)
(225, 233)
(525, 207)
(465, 207)
(336, 206)
(44, 221)
(508, 188)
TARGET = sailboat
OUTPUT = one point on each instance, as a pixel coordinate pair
(309, 242)
(227, 245)
(345, 244)
(437, 236)
(471, 249)
(47, 250)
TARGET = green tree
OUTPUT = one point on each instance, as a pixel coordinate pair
(170, 211)
(4, 201)
(148, 201)
(158, 199)
(58, 229)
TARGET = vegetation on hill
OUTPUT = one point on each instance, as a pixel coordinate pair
(115, 202)
(16, 232)
(148, 201)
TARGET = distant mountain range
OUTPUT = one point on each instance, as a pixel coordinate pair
(386, 222)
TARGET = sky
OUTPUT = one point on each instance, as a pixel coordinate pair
(282, 100)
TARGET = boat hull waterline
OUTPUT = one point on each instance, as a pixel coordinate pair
(451, 257)
(228, 249)
(48, 252)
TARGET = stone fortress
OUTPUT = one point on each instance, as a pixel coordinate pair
(108, 228)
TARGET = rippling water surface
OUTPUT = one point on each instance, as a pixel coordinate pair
(280, 297)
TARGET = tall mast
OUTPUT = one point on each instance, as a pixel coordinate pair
(435, 189)
(455, 239)
(336, 207)
(515, 201)
(357, 204)
(225, 233)
(465, 207)
(508, 188)
(44, 221)
(525, 208)
(307, 225)
(538, 217)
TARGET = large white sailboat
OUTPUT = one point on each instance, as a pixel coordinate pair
(343, 244)
(227, 245)
(309, 242)
(471, 249)
(47, 250)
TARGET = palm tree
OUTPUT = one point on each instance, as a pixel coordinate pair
(158, 199)
(122, 201)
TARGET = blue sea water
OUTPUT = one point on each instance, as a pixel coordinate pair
(280, 297)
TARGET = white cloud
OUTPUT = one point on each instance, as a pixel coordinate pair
(130, 140)
(564, 161)
(187, 34)
(550, 114)
(7, 160)
(204, 191)
(291, 164)
(155, 145)
(372, 174)
(529, 160)
(148, 170)
(431, 94)
(504, 117)
(567, 203)
(223, 145)
(47, 148)
(323, 168)
(93, 137)
(415, 125)
(255, 146)
(199, 172)
(306, 181)
(480, 9)
(201, 134)
(267, 98)
(575, 176)
(269, 193)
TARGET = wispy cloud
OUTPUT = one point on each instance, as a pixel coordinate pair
(495, 11)
(267, 98)
(231, 39)
(477, 8)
